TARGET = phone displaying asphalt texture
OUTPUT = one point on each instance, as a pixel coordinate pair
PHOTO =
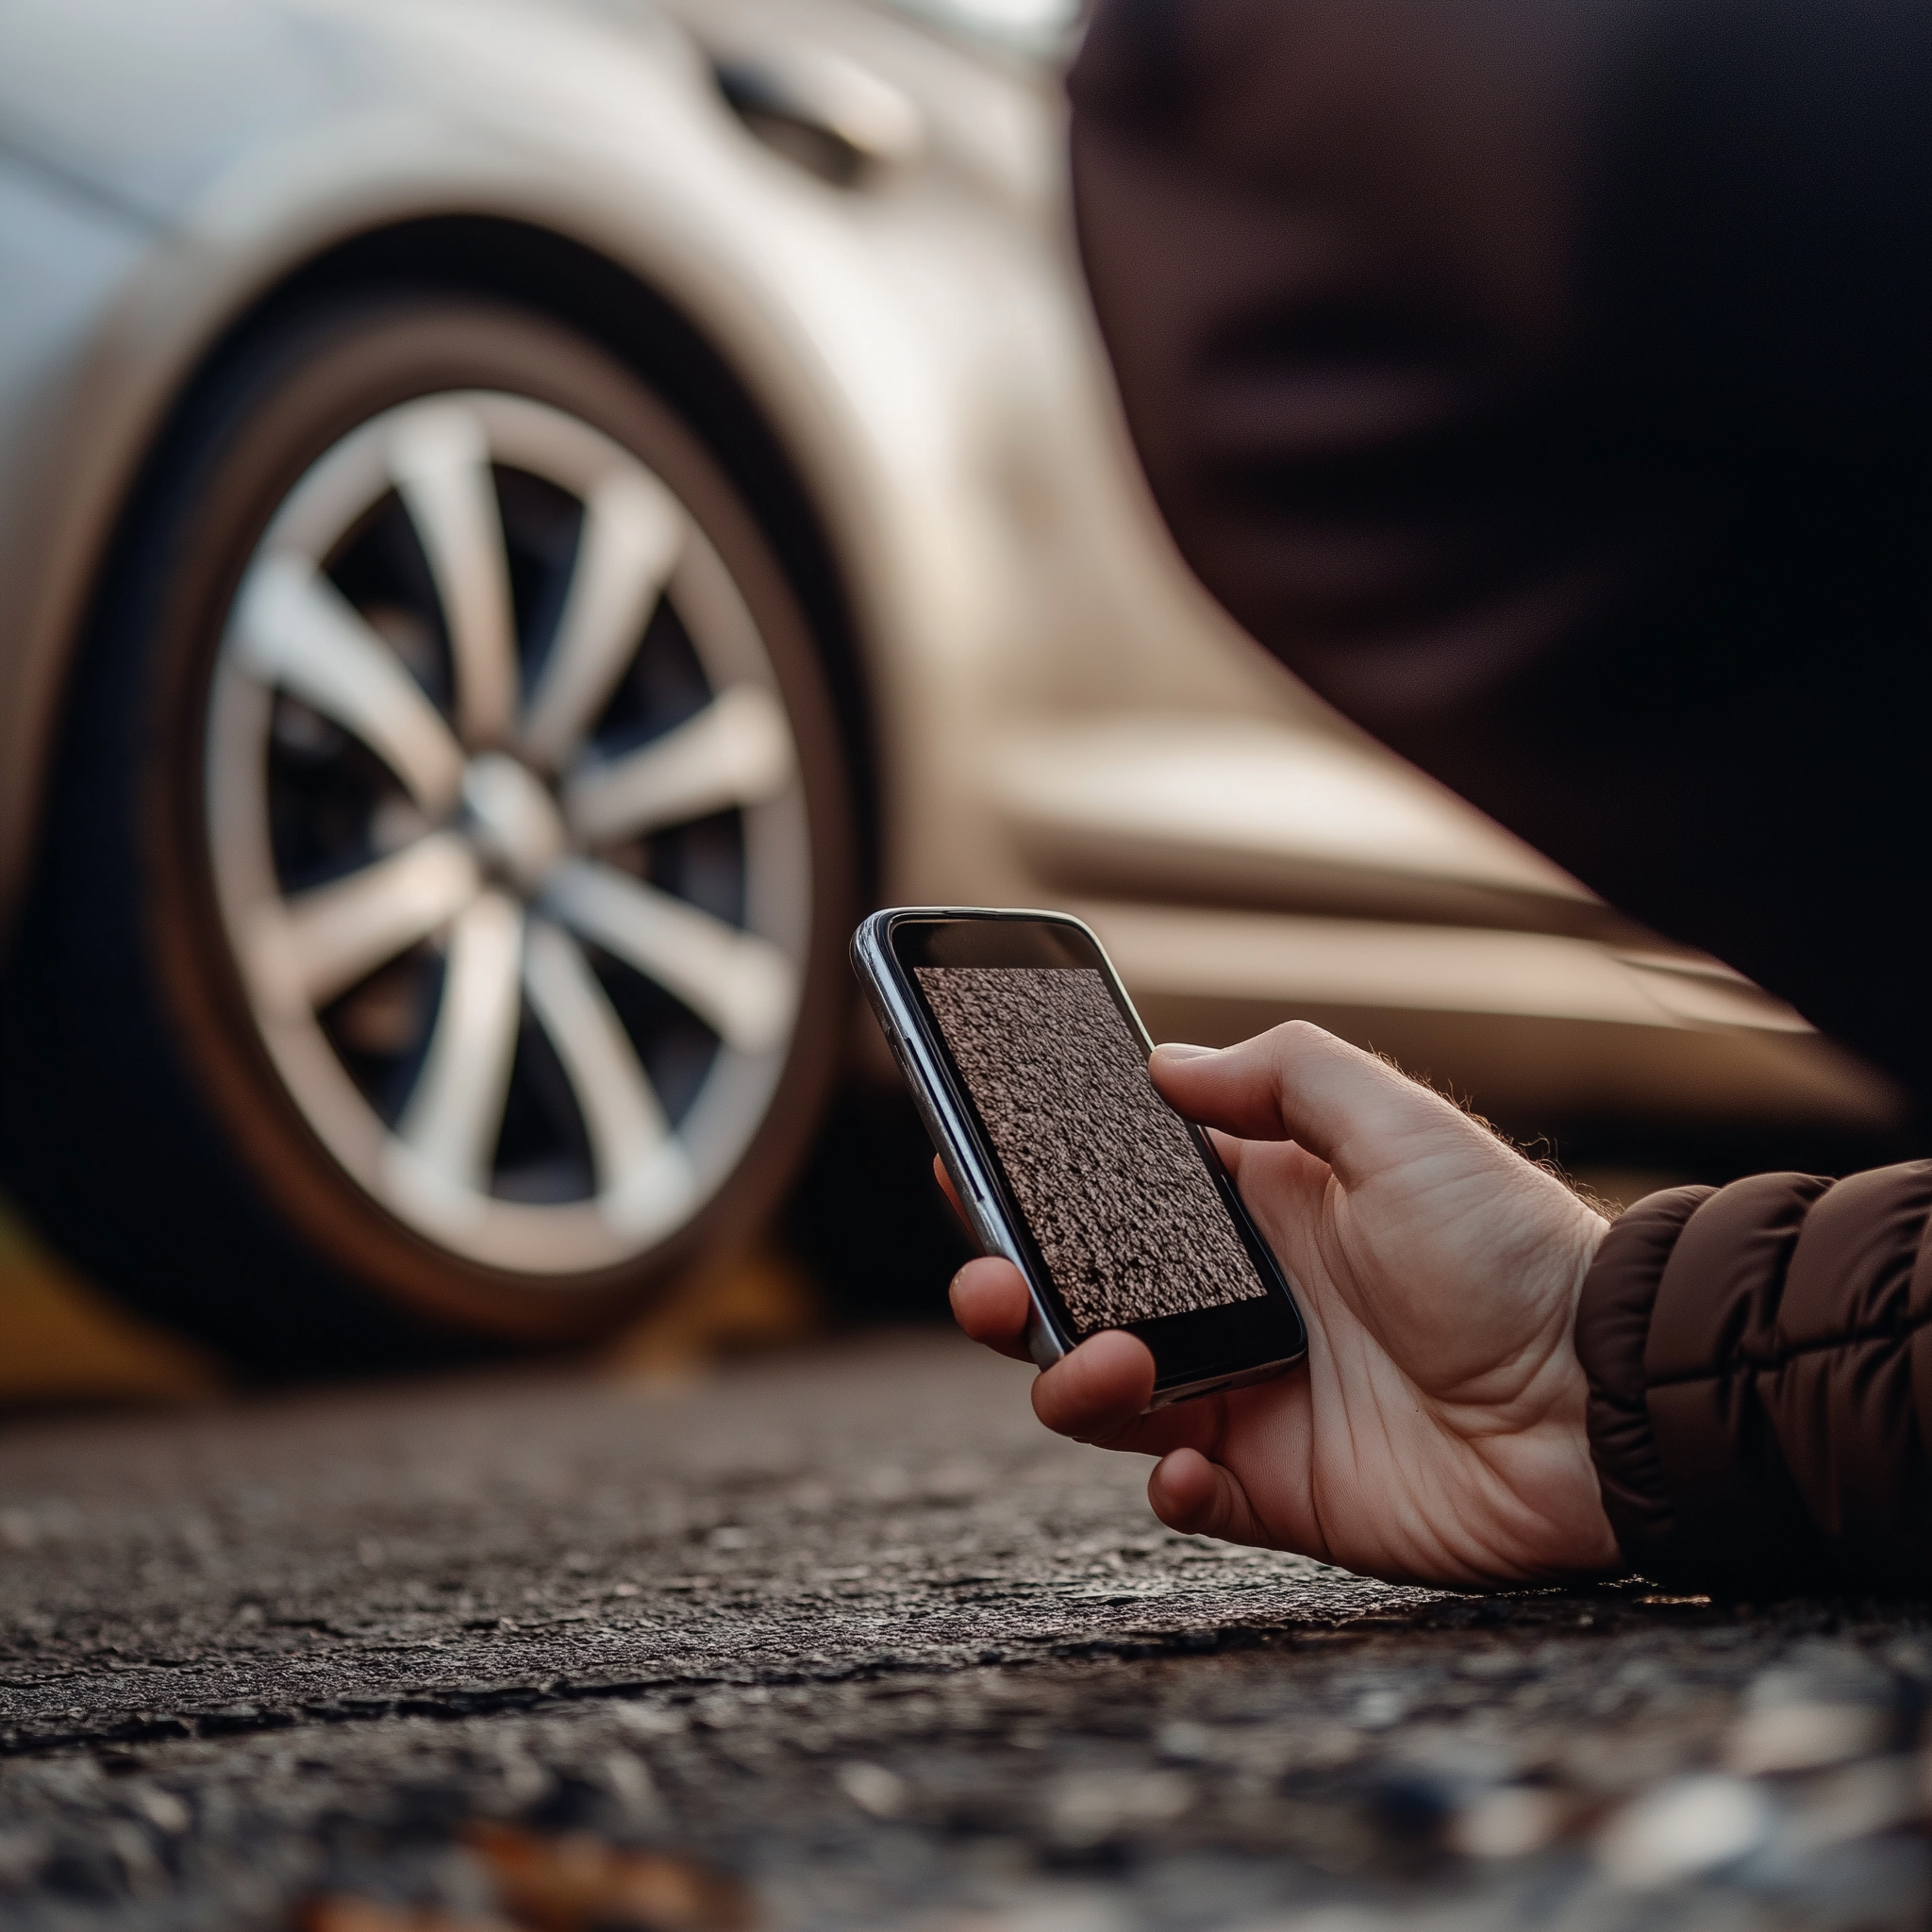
(1028, 1064)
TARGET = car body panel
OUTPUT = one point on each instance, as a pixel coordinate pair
(64, 252)
(835, 319)
(1060, 713)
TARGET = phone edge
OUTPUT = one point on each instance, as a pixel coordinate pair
(952, 1137)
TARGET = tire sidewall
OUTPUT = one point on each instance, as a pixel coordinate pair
(278, 411)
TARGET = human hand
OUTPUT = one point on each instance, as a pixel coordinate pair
(1435, 1432)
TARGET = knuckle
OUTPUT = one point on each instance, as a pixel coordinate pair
(1297, 1039)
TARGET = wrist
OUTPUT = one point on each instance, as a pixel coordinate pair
(1593, 1548)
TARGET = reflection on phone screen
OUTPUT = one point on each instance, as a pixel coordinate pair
(1112, 1186)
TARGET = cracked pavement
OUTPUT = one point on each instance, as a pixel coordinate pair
(848, 1624)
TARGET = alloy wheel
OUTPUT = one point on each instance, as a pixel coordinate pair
(508, 835)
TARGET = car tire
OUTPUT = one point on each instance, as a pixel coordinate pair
(438, 936)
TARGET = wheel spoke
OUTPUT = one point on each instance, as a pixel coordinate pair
(340, 933)
(453, 1117)
(633, 530)
(742, 987)
(440, 462)
(737, 750)
(642, 1171)
(296, 630)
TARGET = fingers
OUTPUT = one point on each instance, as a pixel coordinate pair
(1096, 1395)
(991, 1302)
(950, 1191)
(1298, 1083)
(989, 1296)
(1200, 1498)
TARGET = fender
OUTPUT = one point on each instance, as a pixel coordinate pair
(616, 140)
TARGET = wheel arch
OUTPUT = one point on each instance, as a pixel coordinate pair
(524, 264)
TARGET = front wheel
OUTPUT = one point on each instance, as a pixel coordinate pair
(440, 930)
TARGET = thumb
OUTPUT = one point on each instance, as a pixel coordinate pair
(1298, 1083)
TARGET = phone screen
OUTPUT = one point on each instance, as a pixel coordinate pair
(1114, 1187)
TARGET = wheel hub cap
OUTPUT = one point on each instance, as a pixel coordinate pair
(513, 819)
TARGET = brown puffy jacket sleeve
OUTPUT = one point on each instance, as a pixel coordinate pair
(1761, 1370)
(1547, 383)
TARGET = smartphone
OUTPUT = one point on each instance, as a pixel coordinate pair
(1028, 1065)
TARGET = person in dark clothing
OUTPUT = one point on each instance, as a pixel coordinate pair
(1548, 384)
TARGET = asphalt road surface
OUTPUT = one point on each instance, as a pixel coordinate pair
(848, 1627)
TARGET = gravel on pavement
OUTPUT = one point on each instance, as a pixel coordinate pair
(846, 1628)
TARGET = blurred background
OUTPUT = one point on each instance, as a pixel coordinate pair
(520, 523)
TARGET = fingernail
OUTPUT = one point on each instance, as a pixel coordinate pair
(1179, 1050)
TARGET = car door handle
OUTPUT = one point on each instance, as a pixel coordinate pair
(822, 110)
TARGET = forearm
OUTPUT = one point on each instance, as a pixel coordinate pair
(1761, 1369)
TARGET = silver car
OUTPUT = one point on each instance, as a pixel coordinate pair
(519, 519)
